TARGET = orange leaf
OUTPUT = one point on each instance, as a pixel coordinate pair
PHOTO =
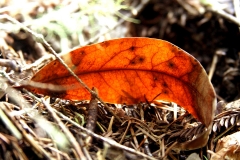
(133, 70)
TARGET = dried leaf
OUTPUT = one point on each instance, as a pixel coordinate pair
(133, 70)
(228, 147)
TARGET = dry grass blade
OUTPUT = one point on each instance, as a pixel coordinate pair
(109, 141)
(20, 129)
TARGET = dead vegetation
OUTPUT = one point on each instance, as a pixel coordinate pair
(42, 127)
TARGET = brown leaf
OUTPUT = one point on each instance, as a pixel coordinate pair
(133, 70)
(228, 147)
